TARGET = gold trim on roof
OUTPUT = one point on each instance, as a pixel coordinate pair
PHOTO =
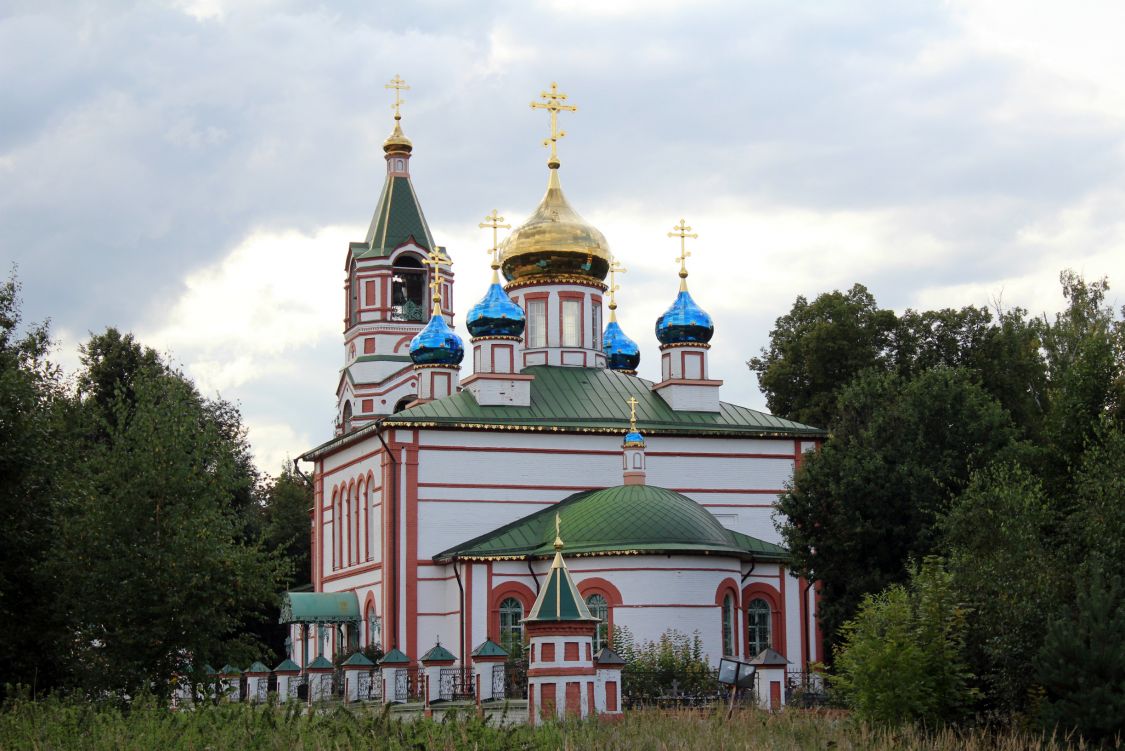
(537, 281)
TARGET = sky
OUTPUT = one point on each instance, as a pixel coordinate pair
(192, 171)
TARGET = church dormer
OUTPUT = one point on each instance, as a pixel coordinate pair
(386, 304)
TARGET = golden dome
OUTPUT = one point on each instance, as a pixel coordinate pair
(555, 241)
(397, 141)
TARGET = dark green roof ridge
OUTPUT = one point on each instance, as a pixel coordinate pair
(398, 218)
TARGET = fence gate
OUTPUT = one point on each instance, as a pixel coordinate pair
(455, 683)
(370, 686)
(498, 683)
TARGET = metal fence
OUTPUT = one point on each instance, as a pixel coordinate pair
(515, 680)
(807, 690)
(456, 683)
(370, 686)
(658, 688)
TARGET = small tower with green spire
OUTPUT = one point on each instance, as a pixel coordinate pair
(561, 677)
(385, 294)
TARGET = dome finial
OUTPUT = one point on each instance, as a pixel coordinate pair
(615, 268)
(397, 141)
(493, 220)
(435, 259)
(682, 231)
(558, 535)
(553, 103)
(632, 402)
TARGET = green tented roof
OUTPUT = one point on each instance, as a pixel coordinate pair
(321, 663)
(319, 607)
(489, 648)
(395, 657)
(229, 669)
(398, 218)
(559, 599)
(359, 658)
(438, 653)
(622, 519)
(257, 667)
(287, 666)
(607, 656)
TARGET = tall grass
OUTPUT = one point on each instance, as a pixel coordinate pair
(56, 724)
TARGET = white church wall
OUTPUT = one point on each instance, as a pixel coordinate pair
(793, 621)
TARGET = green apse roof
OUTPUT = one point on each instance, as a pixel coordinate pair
(398, 218)
(319, 607)
(583, 400)
(622, 519)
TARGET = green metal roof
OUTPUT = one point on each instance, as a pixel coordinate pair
(621, 519)
(287, 666)
(395, 657)
(595, 400)
(229, 669)
(581, 400)
(319, 607)
(607, 656)
(359, 658)
(489, 648)
(321, 663)
(438, 653)
(398, 217)
(257, 667)
(559, 599)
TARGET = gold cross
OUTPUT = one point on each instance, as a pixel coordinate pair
(399, 86)
(553, 104)
(632, 402)
(682, 231)
(435, 259)
(493, 221)
(615, 268)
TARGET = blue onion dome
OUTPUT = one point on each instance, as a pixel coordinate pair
(634, 439)
(437, 344)
(684, 322)
(621, 352)
(495, 315)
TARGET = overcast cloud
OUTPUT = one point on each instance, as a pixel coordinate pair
(192, 171)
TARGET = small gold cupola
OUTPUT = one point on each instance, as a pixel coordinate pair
(555, 241)
(397, 142)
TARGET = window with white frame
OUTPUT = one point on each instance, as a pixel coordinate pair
(511, 625)
(757, 627)
(572, 323)
(536, 323)
(599, 608)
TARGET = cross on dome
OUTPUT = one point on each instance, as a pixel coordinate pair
(632, 402)
(615, 268)
(553, 103)
(682, 231)
(435, 259)
(399, 86)
(493, 220)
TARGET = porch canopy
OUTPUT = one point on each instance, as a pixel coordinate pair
(319, 607)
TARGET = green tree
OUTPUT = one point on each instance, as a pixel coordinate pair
(817, 348)
(1082, 661)
(902, 656)
(1004, 557)
(1085, 354)
(32, 408)
(866, 503)
(152, 568)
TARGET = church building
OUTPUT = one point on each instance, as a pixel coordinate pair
(438, 499)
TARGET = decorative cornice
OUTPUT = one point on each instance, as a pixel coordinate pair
(541, 281)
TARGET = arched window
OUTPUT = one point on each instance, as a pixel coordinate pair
(728, 625)
(408, 290)
(348, 416)
(367, 520)
(401, 404)
(757, 627)
(511, 626)
(335, 530)
(347, 493)
(357, 557)
(599, 608)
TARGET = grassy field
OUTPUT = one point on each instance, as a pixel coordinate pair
(60, 725)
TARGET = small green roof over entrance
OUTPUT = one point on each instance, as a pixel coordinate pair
(625, 519)
(319, 607)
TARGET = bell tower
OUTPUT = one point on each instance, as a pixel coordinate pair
(385, 292)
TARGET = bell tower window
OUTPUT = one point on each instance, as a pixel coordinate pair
(408, 288)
